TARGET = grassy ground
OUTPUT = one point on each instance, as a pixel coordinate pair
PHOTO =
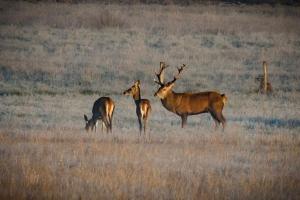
(57, 59)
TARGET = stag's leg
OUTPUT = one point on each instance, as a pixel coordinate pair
(216, 124)
(183, 120)
(215, 118)
(223, 121)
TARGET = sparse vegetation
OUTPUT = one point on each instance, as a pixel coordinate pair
(57, 59)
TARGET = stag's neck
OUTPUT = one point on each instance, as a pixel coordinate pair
(170, 102)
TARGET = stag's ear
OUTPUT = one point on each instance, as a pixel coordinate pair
(170, 85)
(85, 118)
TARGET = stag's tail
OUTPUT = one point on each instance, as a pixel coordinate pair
(224, 99)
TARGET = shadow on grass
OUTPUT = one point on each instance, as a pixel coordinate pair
(271, 122)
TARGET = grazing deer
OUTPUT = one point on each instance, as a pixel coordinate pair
(103, 109)
(143, 107)
(185, 104)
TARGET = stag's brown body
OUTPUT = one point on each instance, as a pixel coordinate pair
(185, 104)
(194, 103)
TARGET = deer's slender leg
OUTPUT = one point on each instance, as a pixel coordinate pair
(110, 119)
(105, 123)
(145, 124)
(96, 123)
(140, 124)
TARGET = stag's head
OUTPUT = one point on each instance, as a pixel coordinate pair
(165, 88)
(133, 89)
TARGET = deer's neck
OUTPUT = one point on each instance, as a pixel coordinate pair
(170, 102)
(137, 97)
(95, 117)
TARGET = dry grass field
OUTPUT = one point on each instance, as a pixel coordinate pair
(57, 59)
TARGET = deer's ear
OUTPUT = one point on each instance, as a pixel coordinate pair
(85, 118)
(137, 83)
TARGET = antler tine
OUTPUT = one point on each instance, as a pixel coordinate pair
(160, 74)
(179, 72)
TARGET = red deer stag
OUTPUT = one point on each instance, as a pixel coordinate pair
(143, 107)
(103, 109)
(185, 104)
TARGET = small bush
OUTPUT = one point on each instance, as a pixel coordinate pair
(62, 16)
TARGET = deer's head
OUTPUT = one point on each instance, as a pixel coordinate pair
(133, 89)
(89, 123)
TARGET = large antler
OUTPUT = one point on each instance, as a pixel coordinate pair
(160, 74)
(179, 72)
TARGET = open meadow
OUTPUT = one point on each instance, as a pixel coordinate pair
(56, 59)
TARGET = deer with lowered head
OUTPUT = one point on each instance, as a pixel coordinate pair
(103, 110)
(143, 107)
(185, 104)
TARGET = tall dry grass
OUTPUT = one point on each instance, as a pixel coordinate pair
(66, 164)
(46, 154)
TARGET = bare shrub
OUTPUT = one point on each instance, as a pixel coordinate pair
(101, 20)
(60, 16)
(91, 20)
